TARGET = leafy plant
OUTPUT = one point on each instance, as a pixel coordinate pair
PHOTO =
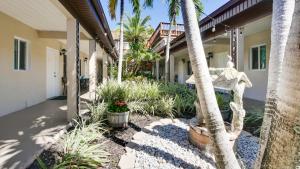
(253, 122)
(98, 111)
(82, 142)
(118, 107)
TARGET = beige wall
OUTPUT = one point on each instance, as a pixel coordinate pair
(20, 89)
(220, 52)
(257, 77)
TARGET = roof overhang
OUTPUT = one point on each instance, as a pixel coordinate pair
(90, 15)
(234, 13)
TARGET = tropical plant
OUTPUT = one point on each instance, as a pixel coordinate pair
(282, 15)
(112, 11)
(98, 111)
(80, 148)
(173, 12)
(225, 157)
(280, 133)
(149, 98)
(136, 33)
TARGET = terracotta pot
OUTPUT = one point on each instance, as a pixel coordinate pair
(118, 119)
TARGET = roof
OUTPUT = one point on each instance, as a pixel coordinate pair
(233, 14)
(91, 16)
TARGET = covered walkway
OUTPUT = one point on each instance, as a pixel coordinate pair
(25, 133)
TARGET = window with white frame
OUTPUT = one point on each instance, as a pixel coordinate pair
(20, 54)
(258, 57)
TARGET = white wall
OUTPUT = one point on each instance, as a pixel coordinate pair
(259, 78)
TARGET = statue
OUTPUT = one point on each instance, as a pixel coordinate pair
(228, 79)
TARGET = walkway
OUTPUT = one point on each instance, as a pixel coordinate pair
(25, 133)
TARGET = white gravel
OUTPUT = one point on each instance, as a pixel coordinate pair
(165, 145)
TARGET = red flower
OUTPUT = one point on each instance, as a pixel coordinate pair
(120, 103)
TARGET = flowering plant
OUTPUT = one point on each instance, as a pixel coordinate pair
(118, 107)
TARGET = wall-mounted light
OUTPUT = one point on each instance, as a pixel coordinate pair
(213, 28)
(62, 52)
(85, 59)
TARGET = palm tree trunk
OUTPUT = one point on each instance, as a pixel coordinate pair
(281, 22)
(225, 157)
(121, 42)
(167, 60)
(283, 146)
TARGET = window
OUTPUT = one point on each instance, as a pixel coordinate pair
(20, 54)
(258, 55)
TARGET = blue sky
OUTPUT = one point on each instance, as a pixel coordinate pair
(159, 12)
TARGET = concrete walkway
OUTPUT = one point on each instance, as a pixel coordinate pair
(24, 134)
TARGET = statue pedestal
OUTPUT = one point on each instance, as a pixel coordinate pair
(198, 135)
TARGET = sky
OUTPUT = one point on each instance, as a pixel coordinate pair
(159, 12)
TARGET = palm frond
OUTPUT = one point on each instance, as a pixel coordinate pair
(112, 6)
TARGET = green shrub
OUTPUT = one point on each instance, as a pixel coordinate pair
(98, 111)
(184, 97)
(149, 97)
(82, 142)
(253, 122)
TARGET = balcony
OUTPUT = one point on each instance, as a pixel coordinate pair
(162, 31)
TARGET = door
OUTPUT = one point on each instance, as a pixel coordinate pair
(53, 79)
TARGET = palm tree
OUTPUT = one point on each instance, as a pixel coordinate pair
(280, 138)
(136, 33)
(225, 157)
(281, 22)
(112, 10)
(174, 9)
(136, 28)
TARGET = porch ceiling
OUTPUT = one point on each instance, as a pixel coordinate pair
(38, 14)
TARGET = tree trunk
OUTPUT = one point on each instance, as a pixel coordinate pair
(281, 22)
(225, 157)
(121, 42)
(167, 59)
(283, 146)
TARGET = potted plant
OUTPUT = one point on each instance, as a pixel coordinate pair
(118, 111)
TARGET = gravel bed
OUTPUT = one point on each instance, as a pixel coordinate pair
(164, 145)
(247, 148)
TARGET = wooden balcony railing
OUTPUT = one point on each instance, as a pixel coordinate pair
(162, 30)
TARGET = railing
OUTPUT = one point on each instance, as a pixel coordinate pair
(162, 30)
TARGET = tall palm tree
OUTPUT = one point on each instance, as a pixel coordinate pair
(136, 33)
(280, 144)
(225, 157)
(174, 9)
(281, 22)
(112, 5)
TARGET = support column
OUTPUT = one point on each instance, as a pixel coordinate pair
(172, 69)
(157, 69)
(233, 47)
(73, 88)
(92, 69)
(104, 67)
(240, 50)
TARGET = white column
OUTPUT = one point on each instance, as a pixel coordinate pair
(73, 99)
(92, 68)
(240, 50)
(104, 67)
(157, 69)
(172, 67)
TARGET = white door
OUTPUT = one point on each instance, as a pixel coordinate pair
(53, 79)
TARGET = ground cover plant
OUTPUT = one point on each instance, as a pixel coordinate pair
(80, 148)
(146, 97)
